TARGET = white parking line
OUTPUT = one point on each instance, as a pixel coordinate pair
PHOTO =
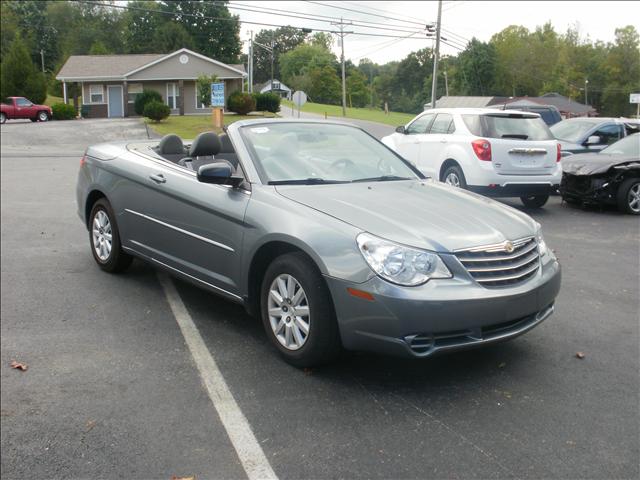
(249, 452)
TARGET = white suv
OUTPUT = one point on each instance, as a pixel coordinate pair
(495, 153)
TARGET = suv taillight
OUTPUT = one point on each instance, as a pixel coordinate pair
(559, 155)
(482, 149)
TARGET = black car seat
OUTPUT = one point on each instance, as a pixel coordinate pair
(227, 151)
(171, 148)
(202, 151)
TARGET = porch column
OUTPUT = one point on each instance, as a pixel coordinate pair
(125, 100)
(181, 96)
(76, 86)
(64, 91)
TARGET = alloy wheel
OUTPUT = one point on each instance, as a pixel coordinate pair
(102, 235)
(288, 310)
(42, 116)
(452, 179)
(634, 198)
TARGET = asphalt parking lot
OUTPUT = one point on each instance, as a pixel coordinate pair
(112, 390)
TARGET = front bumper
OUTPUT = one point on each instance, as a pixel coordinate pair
(516, 189)
(442, 315)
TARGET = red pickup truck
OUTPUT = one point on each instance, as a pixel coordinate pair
(20, 107)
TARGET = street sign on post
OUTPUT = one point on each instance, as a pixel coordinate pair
(299, 99)
(217, 102)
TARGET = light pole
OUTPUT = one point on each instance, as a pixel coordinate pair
(586, 82)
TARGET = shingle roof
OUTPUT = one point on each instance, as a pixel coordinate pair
(561, 102)
(79, 66)
(462, 102)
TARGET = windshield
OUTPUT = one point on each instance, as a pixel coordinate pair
(572, 131)
(629, 146)
(313, 153)
(518, 126)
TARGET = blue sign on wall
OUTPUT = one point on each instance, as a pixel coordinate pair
(217, 94)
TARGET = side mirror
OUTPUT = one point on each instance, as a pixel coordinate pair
(593, 140)
(218, 173)
(401, 129)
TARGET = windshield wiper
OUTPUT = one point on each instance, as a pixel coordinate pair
(515, 135)
(383, 178)
(306, 181)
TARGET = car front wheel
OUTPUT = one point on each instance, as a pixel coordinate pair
(534, 201)
(43, 116)
(297, 312)
(629, 196)
(3, 118)
(105, 239)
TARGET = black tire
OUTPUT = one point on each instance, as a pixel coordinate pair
(43, 116)
(34, 120)
(3, 118)
(456, 172)
(117, 260)
(534, 201)
(624, 196)
(322, 344)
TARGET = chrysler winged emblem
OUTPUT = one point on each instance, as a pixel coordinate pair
(508, 246)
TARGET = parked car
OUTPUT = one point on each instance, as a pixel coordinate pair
(330, 237)
(549, 113)
(590, 135)
(492, 152)
(20, 107)
(611, 176)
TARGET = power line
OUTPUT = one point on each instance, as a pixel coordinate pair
(365, 13)
(369, 7)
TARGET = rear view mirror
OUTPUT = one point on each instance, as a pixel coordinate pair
(593, 140)
(401, 129)
(218, 173)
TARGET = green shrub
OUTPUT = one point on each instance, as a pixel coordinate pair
(241, 103)
(156, 111)
(145, 97)
(267, 102)
(63, 111)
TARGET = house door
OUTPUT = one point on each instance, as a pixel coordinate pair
(115, 103)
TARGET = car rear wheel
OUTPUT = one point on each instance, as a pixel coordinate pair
(629, 196)
(453, 176)
(3, 118)
(297, 312)
(534, 201)
(105, 239)
(43, 116)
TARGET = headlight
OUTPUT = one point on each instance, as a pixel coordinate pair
(542, 246)
(400, 264)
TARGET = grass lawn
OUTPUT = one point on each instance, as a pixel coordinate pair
(51, 100)
(189, 126)
(371, 114)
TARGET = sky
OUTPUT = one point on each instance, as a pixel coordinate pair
(461, 20)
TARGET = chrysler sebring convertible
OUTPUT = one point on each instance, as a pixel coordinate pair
(329, 237)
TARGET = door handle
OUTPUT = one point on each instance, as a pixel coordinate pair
(443, 140)
(157, 177)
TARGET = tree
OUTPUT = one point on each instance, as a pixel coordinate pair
(19, 76)
(203, 86)
(303, 59)
(324, 85)
(357, 89)
(623, 68)
(284, 40)
(323, 40)
(170, 37)
(215, 32)
(476, 66)
(98, 48)
(141, 22)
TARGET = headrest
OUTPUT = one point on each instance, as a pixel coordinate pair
(171, 144)
(226, 146)
(205, 145)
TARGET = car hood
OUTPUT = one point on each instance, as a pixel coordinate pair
(424, 214)
(591, 164)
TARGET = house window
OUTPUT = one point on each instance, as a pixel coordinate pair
(96, 93)
(173, 92)
(134, 89)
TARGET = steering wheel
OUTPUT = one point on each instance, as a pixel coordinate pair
(345, 162)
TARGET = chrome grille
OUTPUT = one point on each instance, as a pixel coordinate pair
(504, 264)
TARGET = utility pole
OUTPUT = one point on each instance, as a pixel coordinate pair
(42, 59)
(250, 68)
(342, 33)
(272, 48)
(586, 82)
(446, 84)
(434, 84)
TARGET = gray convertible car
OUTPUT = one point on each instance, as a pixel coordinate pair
(328, 236)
